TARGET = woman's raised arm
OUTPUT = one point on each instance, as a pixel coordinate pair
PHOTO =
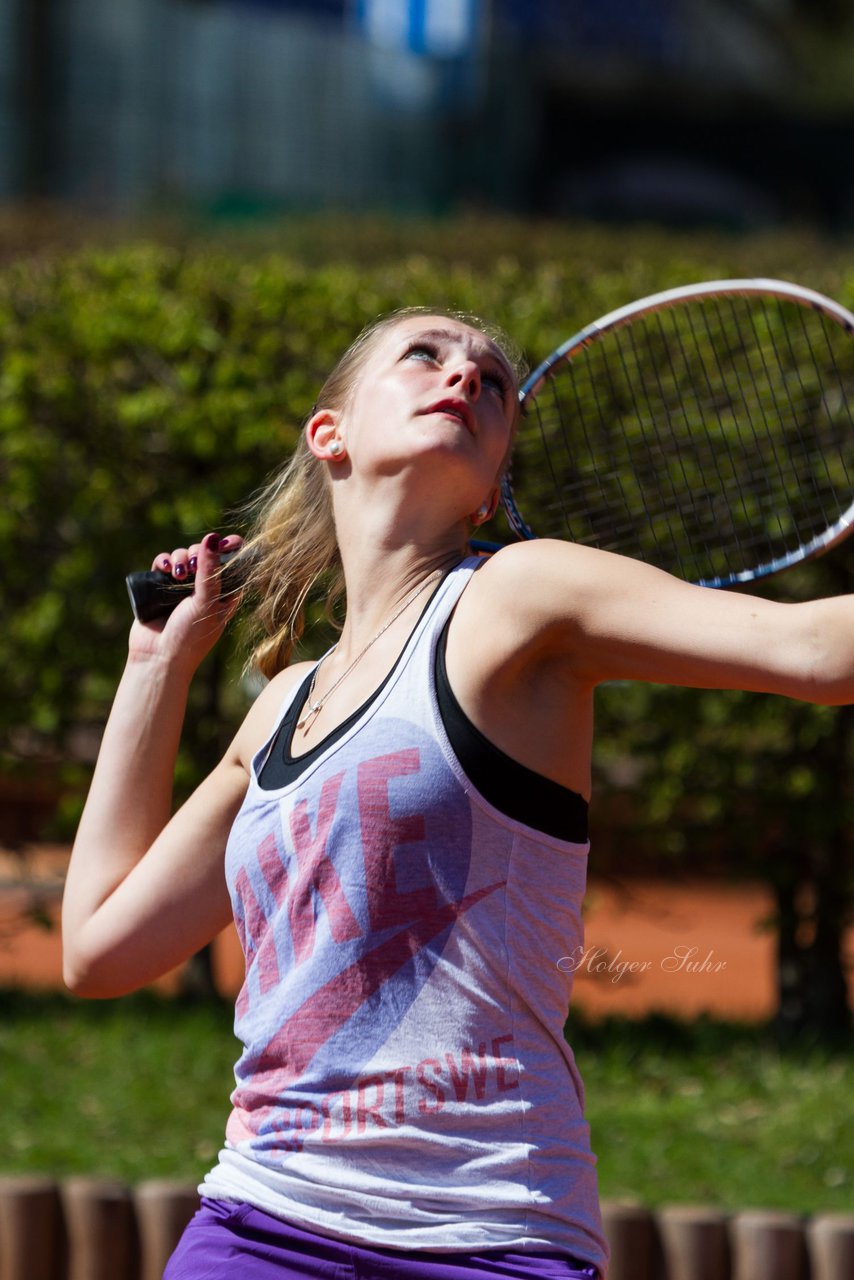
(610, 618)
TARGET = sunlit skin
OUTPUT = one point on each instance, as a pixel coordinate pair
(413, 460)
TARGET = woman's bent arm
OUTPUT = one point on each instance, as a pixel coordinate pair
(128, 917)
(142, 894)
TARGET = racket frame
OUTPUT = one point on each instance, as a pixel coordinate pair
(834, 533)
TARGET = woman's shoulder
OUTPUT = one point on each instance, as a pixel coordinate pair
(542, 597)
(517, 599)
(532, 572)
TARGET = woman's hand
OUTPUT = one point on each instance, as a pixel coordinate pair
(194, 626)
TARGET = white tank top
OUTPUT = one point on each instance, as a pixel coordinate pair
(405, 1081)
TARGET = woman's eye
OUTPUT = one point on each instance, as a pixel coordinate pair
(421, 351)
(497, 382)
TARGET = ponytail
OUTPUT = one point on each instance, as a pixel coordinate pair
(291, 551)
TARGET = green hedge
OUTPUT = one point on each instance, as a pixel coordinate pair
(148, 387)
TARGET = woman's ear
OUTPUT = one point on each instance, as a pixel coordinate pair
(323, 437)
(486, 510)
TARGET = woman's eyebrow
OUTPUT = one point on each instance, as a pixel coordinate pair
(451, 335)
(439, 335)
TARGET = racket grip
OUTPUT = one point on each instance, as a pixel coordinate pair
(154, 594)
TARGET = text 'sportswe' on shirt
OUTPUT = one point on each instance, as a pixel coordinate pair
(404, 1080)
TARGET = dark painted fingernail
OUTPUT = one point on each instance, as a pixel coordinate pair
(166, 564)
(212, 542)
(193, 564)
(180, 570)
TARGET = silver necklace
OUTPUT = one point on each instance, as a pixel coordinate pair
(312, 709)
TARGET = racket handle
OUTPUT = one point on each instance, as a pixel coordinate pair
(154, 594)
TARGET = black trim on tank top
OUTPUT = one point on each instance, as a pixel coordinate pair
(281, 768)
(510, 787)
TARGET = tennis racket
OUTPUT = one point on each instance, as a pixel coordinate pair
(706, 429)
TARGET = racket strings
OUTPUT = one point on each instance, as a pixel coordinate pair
(714, 423)
(642, 410)
(707, 438)
(706, 515)
(816, 449)
(755, 411)
(830, 425)
(843, 398)
(664, 423)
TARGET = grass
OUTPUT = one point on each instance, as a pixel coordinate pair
(135, 1088)
(707, 1113)
(699, 1113)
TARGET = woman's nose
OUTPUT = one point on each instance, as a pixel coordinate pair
(466, 374)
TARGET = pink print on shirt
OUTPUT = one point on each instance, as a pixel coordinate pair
(356, 899)
(396, 1096)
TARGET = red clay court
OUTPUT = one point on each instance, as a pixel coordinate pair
(677, 947)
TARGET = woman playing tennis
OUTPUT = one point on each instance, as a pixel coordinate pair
(399, 832)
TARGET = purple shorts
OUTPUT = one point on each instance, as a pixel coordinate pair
(225, 1240)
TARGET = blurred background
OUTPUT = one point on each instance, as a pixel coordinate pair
(737, 112)
(201, 202)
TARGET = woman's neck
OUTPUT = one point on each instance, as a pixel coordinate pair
(381, 582)
(390, 541)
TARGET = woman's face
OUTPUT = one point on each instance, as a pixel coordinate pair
(433, 387)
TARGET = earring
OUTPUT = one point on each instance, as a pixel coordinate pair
(336, 448)
(482, 511)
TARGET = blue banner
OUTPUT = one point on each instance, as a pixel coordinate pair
(427, 28)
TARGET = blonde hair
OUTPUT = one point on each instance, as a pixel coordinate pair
(291, 551)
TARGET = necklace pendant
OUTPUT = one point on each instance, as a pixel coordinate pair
(312, 709)
(309, 714)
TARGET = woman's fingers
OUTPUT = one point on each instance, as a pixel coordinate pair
(205, 559)
(175, 563)
(211, 583)
(180, 564)
(183, 562)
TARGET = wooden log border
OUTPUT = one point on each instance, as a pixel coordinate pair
(86, 1228)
